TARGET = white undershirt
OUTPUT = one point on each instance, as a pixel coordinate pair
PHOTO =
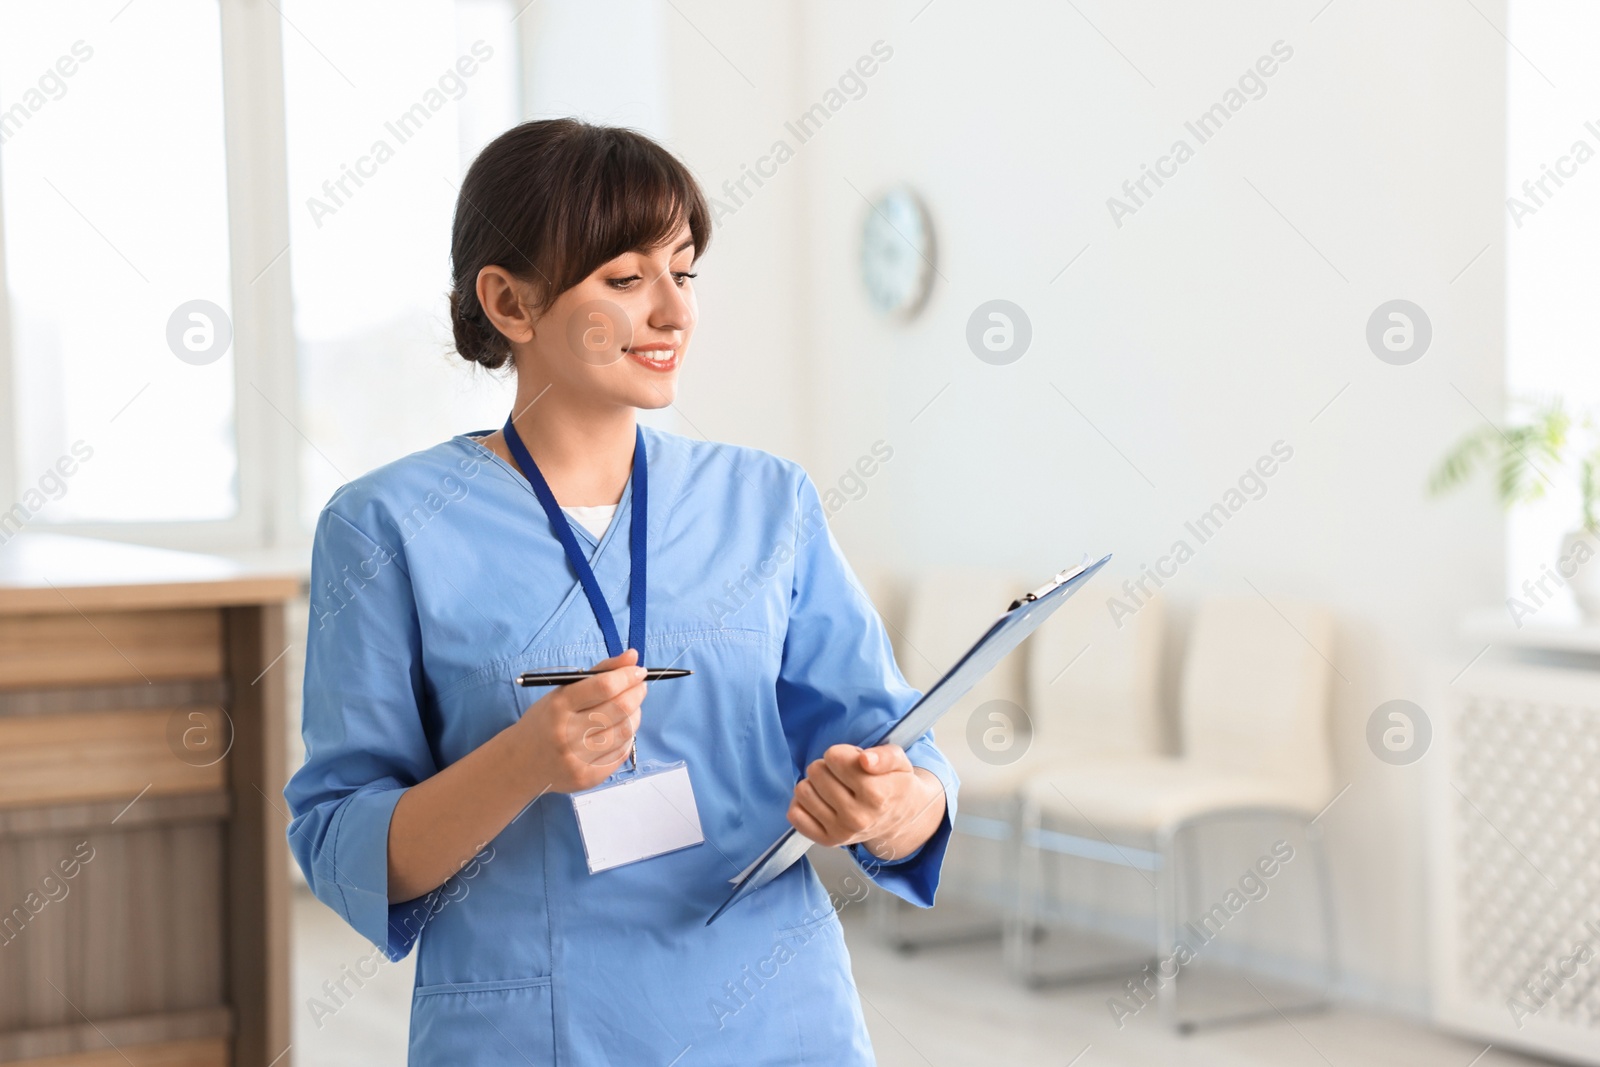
(594, 519)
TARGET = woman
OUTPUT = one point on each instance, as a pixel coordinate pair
(437, 793)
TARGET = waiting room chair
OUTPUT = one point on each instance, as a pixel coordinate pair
(1253, 716)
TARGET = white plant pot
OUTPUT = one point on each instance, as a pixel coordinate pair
(1583, 545)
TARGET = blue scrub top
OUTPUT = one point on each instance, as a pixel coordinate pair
(435, 580)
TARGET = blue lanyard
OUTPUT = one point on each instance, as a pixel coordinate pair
(636, 542)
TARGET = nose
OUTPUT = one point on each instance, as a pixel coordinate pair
(670, 309)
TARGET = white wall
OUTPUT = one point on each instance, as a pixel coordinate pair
(1193, 337)
(698, 79)
(732, 71)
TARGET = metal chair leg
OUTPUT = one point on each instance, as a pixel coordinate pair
(884, 909)
(1167, 882)
(1330, 928)
(1022, 919)
(1193, 888)
(1025, 923)
(890, 912)
(1329, 934)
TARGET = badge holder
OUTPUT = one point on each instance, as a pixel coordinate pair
(649, 812)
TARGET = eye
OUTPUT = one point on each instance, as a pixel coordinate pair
(622, 283)
(681, 276)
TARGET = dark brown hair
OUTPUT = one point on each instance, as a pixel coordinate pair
(550, 201)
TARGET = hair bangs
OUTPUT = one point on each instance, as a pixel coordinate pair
(640, 196)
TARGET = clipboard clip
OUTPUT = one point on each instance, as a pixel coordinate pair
(1061, 578)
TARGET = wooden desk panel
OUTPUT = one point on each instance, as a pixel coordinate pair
(206, 1052)
(114, 924)
(80, 757)
(76, 649)
(143, 861)
(200, 1053)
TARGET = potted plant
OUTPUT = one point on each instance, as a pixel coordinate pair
(1524, 456)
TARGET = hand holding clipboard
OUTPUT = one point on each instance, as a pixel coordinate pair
(1024, 616)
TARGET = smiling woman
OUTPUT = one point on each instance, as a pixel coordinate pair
(617, 825)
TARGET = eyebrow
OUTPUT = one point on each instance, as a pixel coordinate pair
(645, 251)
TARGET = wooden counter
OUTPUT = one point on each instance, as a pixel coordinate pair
(143, 862)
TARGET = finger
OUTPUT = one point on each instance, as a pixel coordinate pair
(843, 759)
(602, 762)
(599, 688)
(593, 689)
(820, 767)
(618, 721)
(599, 739)
(808, 825)
(806, 793)
(885, 759)
(608, 748)
(835, 793)
(601, 769)
(595, 745)
(627, 658)
(617, 708)
(602, 732)
(822, 826)
(849, 764)
(847, 814)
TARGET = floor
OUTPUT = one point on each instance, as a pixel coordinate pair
(950, 1007)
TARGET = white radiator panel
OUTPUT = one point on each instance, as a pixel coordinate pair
(1515, 837)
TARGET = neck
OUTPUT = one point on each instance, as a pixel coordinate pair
(584, 453)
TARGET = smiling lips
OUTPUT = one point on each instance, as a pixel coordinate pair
(659, 356)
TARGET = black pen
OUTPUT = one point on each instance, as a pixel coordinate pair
(651, 674)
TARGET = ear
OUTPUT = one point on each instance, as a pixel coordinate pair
(505, 299)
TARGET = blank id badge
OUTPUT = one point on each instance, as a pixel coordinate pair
(644, 815)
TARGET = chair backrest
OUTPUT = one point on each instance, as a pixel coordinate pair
(1255, 691)
(947, 609)
(1094, 686)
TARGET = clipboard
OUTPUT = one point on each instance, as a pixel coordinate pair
(1024, 616)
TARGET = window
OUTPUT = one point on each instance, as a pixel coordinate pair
(387, 105)
(210, 320)
(1552, 227)
(115, 222)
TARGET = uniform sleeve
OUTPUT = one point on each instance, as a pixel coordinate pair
(363, 732)
(839, 683)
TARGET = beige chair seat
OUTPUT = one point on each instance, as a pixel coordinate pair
(1048, 753)
(1142, 797)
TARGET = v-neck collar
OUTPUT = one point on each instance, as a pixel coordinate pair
(669, 468)
(624, 506)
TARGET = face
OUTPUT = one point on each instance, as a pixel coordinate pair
(619, 337)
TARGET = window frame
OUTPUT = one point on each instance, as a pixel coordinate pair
(266, 391)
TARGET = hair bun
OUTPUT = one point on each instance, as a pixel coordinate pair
(475, 336)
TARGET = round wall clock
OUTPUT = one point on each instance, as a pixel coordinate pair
(898, 253)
